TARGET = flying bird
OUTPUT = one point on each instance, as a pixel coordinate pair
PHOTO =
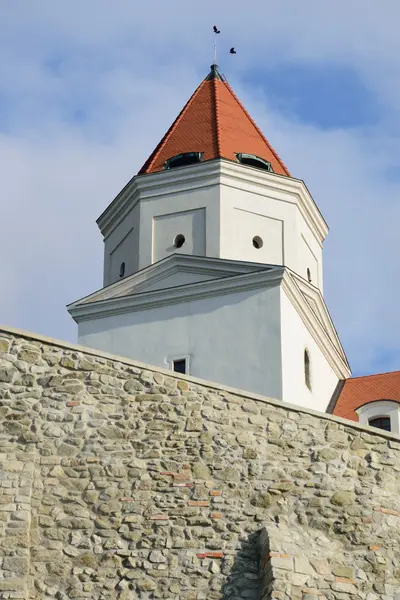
(216, 30)
(232, 51)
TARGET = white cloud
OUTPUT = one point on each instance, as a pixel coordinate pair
(129, 68)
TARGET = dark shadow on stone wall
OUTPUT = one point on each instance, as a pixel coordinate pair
(245, 573)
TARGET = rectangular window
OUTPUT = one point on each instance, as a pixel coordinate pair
(179, 365)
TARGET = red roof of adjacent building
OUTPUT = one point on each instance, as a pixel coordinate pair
(361, 390)
(215, 123)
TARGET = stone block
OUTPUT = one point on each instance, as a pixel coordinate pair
(194, 424)
(302, 565)
(7, 374)
(342, 498)
(343, 571)
(17, 564)
(4, 345)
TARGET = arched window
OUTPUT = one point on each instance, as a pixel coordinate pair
(122, 269)
(309, 275)
(380, 423)
(307, 369)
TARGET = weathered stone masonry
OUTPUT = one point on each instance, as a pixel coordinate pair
(120, 481)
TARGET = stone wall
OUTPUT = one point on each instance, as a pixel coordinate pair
(119, 481)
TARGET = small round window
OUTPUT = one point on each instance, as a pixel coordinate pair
(257, 242)
(179, 240)
(122, 269)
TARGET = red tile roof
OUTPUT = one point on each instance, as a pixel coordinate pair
(213, 122)
(360, 390)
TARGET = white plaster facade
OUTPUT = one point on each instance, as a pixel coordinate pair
(219, 207)
(217, 333)
(242, 324)
(296, 338)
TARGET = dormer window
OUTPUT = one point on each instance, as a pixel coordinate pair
(254, 161)
(182, 160)
(382, 414)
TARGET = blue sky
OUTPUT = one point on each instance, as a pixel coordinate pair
(87, 90)
(327, 96)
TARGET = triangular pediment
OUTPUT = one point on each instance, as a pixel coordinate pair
(173, 272)
(182, 278)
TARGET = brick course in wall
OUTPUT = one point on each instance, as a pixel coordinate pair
(123, 481)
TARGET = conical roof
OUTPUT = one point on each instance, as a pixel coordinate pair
(215, 123)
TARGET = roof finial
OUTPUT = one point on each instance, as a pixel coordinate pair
(213, 74)
(216, 32)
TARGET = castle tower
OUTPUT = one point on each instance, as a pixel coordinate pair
(213, 261)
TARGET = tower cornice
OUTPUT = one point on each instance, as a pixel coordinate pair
(209, 173)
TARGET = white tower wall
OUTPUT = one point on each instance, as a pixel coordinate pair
(252, 210)
(229, 338)
(219, 211)
(193, 213)
(122, 246)
(295, 339)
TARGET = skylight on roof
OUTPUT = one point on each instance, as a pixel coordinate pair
(254, 161)
(181, 160)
